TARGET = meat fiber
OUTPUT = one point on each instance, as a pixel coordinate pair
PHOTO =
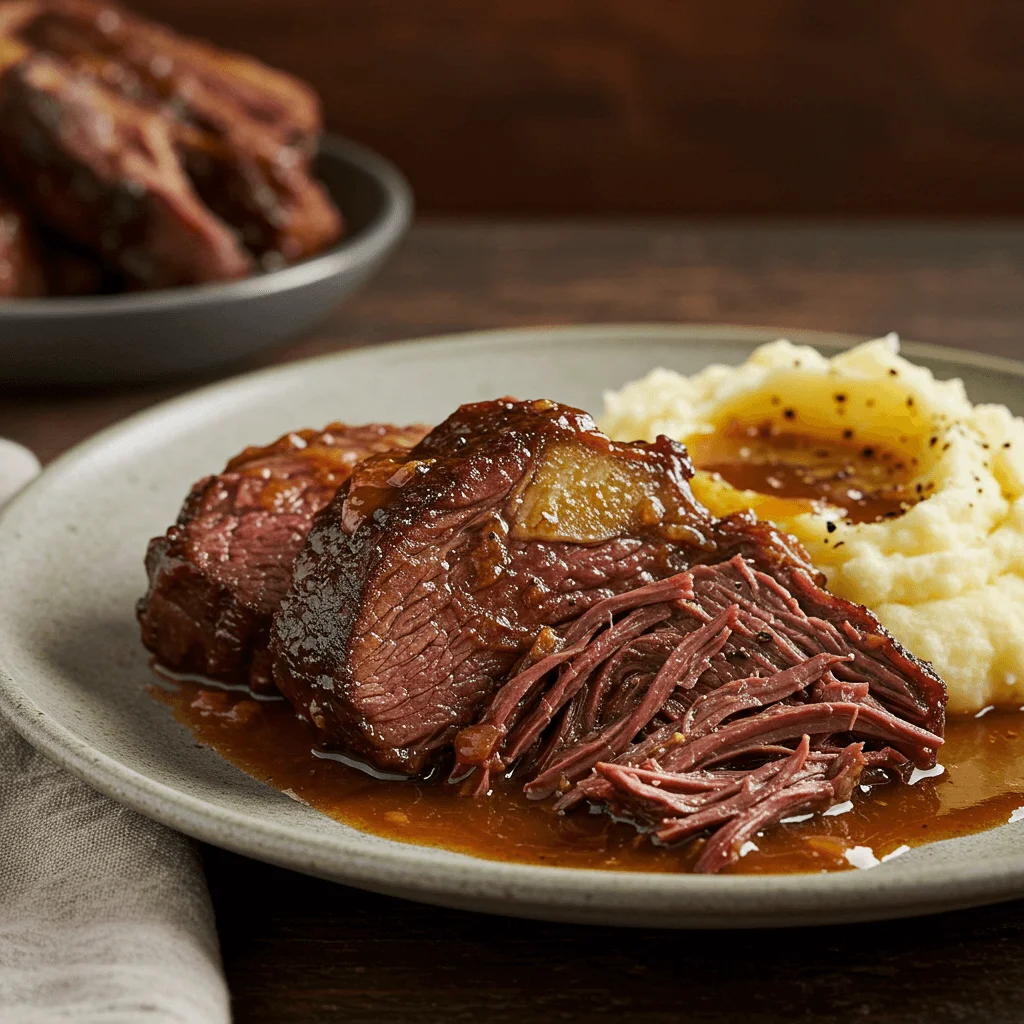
(218, 575)
(713, 700)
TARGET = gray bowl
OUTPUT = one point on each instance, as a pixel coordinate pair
(133, 337)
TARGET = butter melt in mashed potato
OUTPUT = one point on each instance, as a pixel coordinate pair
(946, 577)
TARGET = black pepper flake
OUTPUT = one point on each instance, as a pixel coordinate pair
(847, 433)
(868, 452)
(790, 414)
(910, 401)
(839, 544)
(1006, 444)
(946, 446)
(984, 445)
(831, 527)
(894, 373)
(840, 397)
(932, 442)
(763, 636)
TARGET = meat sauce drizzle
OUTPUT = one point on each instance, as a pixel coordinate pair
(982, 786)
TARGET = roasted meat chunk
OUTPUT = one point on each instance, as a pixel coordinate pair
(173, 161)
(424, 583)
(154, 65)
(245, 132)
(104, 172)
(218, 574)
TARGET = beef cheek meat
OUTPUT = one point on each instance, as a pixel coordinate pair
(218, 574)
(422, 585)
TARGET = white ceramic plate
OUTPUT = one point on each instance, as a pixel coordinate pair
(73, 674)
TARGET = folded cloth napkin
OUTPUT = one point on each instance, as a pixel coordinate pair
(104, 915)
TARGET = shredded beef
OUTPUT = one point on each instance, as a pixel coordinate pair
(715, 701)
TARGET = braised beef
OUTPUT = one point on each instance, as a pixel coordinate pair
(245, 132)
(104, 172)
(168, 160)
(424, 583)
(219, 573)
(517, 593)
(525, 593)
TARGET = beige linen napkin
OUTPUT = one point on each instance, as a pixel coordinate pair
(104, 915)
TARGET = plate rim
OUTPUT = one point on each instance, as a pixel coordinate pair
(643, 898)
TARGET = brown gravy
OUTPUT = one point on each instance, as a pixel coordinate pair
(869, 482)
(981, 788)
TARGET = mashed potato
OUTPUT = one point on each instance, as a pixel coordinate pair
(947, 576)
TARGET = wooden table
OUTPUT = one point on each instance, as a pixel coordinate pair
(298, 949)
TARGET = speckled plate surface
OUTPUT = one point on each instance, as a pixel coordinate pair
(73, 674)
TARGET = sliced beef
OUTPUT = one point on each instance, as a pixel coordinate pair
(422, 586)
(218, 574)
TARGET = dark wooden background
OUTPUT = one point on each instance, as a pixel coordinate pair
(696, 107)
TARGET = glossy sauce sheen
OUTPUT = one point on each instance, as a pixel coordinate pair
(867, 481)
(981, 788)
